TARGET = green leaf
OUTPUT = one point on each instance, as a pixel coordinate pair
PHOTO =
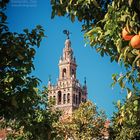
(112, 58)
(114, 77)
(120, 57)
(26, 31)
(126, 50)
(136, 108)
(39, 27)
(136, 59)
(119, 45)
(20, 56)
(118, 103)
(120, 78)
(61, 1)
(10, 79)
(136, 103)
(122, 84)
(53, 14)
(130, 2)
(72, 18)
(95, 3)
(14, 102)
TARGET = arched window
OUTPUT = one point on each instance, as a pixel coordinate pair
(73, 72)
(68, 98)
(64, 73)
(64, 98)
(79, 97)
(74, 98)
(54, 99)
(59, 97)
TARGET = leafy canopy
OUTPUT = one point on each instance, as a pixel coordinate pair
(85, 120)
(22, 105)
(125, 123)
(103, 22)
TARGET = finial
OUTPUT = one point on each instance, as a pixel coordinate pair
(85, 81)
(74, 59)
(67, 33)
(61, 58)
(49, 78)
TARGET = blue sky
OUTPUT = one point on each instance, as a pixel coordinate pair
(91, 65)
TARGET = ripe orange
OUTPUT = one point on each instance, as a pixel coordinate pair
(135, 42)
(125, 34)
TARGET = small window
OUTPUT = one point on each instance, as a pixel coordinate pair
(79, 97)
(64, 73)
(74, 98)
(64, 98)
(68, 98)
(54, 99)
(59, 97)
(73, 73)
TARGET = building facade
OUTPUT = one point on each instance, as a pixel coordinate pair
(67, 93)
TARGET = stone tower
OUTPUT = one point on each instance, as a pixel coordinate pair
(68, 93)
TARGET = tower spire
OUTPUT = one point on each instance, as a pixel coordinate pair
(49, 80)
(67, 51)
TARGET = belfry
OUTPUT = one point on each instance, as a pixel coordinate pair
(67, 93)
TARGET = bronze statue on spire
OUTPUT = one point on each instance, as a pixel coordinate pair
(67, 32)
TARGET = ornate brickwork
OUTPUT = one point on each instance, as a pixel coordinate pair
(68, 93)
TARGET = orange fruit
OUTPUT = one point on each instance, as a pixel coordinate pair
(125, 34)
(135, 42)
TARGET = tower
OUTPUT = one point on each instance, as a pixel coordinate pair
(68, 93)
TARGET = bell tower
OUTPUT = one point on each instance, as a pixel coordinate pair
(67, 63)
(68, 93)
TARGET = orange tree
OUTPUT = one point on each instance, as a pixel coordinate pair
(125, 122)
(22, 106)
(103, 23)
(112, 27)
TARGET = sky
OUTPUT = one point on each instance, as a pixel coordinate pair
(97, 70)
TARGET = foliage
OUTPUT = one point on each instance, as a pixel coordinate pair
(107, 39)
(103, 22)
(125, 123)
(22, 105)
(86, 10)
(85, 120)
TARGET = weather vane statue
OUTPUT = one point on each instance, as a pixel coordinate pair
(67, 33)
